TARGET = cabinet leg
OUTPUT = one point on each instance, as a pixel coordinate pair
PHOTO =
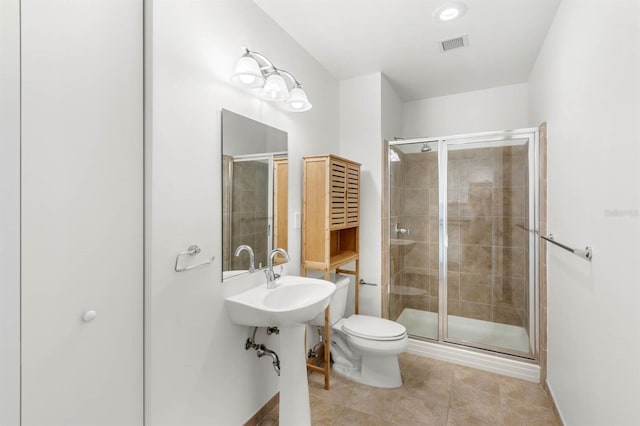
(357, 275)
(327, 350)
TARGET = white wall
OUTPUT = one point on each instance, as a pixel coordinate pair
(360, 140)
(198, 372)
(370, 111)
(498, 108)
(585, 85)
(392, 111)
(10, 212)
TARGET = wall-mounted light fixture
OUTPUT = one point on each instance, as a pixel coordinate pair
(255, 71)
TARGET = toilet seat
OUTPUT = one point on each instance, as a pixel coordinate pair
(373, 328)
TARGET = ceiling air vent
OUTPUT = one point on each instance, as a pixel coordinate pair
(454, 43)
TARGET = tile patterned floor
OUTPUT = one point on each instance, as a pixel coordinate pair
(433, 393)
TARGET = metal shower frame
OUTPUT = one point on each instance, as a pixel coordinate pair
(533, 227)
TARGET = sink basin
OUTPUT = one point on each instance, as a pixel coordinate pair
(295, 300)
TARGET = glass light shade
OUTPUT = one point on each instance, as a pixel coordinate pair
(275, 88)
(248, 72)
(298, 100)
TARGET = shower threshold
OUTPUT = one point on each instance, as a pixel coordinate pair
(424, 324)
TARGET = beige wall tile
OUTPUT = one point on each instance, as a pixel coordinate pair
(434, 229)
(418, 227)
(476, 231)
(507, 233)
(509, 292)
(509, 262)
(509, 201)
(476, 259)
(507, 315)
(453, 258)
(476, 202)
(433, 202)
(476, 291)
(417, 255)
(433, 256)
(475, 310)
(416, 202)
(418, 279)
(453, 286)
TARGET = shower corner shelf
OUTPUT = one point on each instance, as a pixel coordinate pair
(330, 226)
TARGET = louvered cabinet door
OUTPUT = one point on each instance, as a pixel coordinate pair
(338, 188)
(353, 195)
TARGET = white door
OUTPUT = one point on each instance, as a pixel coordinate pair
(82, 212)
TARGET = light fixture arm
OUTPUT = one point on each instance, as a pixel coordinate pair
(259, 57)
(295, 82)
(267, 67)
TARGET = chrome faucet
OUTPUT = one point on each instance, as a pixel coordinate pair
(271, 276)
(245, 247)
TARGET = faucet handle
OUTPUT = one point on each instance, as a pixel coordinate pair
(399, 230)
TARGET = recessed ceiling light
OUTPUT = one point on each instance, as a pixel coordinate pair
(449, 12)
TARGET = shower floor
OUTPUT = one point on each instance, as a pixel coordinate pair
(425, 324)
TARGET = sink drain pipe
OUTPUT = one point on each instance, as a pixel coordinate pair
(262, 350)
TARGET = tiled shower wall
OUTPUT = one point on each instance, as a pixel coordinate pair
(488, 251)
(488, 254)
(396, 251)
(421, 220)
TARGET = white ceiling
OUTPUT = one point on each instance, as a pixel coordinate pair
(399, 38)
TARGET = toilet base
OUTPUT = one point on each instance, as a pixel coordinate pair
(380, 371)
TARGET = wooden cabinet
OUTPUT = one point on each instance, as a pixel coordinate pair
(330, 213)
(330, 224)
(280, 206)
(344, 186)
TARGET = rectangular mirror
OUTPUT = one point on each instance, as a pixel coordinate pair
(254, 191)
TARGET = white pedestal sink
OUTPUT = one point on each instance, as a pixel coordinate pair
(294, 302)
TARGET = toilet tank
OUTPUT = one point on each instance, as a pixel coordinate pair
(338, 303)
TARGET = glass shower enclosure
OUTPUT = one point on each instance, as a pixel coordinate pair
(463, 253)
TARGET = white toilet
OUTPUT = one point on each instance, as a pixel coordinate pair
(364, 348)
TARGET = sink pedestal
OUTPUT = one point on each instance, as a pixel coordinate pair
(294, 302)
(294, 386)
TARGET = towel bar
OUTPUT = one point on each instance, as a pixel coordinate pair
(586, 254)
(192, 250)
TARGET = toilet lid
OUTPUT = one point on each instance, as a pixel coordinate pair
(373, 328)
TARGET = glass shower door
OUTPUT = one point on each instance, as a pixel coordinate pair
(413, 220)
(486, 246)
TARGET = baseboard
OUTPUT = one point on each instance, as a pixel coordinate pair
(264, 411)
(481, 361)
(554, 405)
